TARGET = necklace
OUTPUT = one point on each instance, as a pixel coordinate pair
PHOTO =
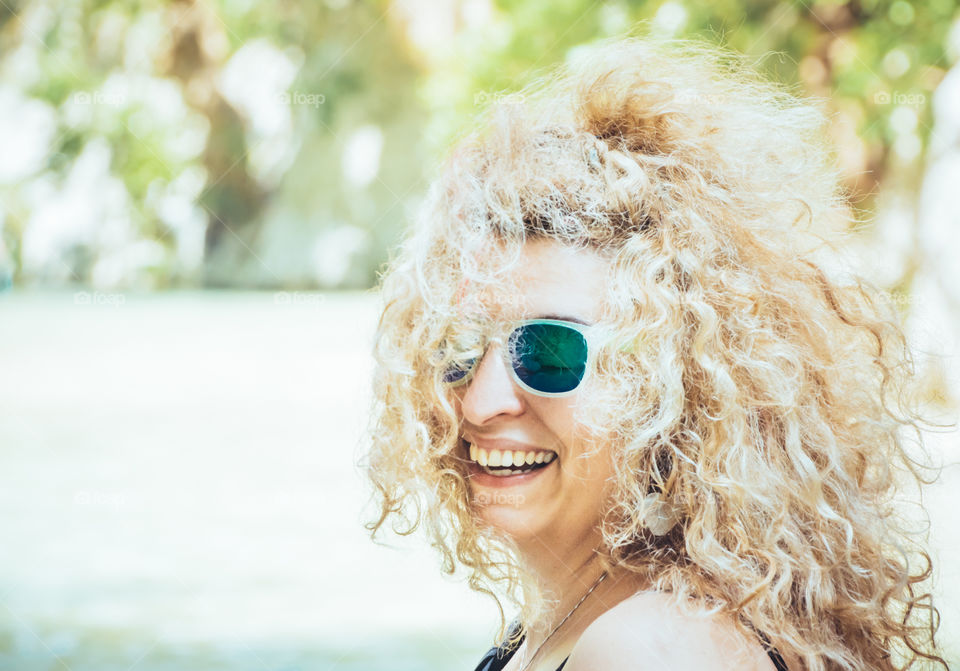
(540, 647)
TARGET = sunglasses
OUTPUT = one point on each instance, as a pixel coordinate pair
(547, 357)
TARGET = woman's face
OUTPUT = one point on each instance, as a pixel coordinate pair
(559, 505)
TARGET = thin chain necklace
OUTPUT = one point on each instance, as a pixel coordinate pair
(540, 647)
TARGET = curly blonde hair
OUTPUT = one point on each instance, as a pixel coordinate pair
(761, 395)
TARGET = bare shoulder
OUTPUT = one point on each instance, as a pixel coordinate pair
(647, 631)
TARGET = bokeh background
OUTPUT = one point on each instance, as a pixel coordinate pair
(195, 199)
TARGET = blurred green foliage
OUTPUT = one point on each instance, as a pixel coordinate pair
(226, 188)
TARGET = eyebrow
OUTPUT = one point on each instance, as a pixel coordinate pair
(566, 318)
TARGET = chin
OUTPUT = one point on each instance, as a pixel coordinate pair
(515, 523)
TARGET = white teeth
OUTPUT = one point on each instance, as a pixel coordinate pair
(509, 458)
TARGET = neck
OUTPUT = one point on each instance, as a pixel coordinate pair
(563, 579)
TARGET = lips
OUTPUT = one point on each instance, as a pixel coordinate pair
(503, 444)
(478, 475)
(502, 462)
(505, 453)
(500, 444)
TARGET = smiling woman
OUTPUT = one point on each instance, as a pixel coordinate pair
(615, 385)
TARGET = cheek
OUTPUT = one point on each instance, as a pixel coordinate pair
(589, 457)
(592, 449)
(558, 413)
(592, 464)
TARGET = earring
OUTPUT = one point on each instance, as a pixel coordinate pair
(661, 515)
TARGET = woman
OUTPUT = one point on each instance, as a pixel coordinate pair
(615, 382)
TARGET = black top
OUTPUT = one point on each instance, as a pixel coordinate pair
(497, 658)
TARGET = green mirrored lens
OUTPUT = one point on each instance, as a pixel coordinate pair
(550, 358)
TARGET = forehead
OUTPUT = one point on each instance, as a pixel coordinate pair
(550, 279)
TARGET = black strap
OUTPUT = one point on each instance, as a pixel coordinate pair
(772, 652)
(497, 658)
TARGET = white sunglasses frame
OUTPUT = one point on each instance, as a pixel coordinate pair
(583, 329)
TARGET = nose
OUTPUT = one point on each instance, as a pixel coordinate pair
(491, 390)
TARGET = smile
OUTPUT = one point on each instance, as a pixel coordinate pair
(506, 463)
